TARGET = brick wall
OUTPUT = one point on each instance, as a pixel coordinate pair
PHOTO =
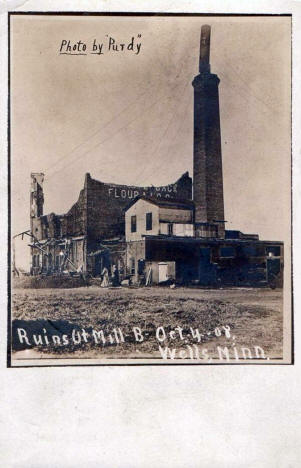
(107, 202)
(99, 210)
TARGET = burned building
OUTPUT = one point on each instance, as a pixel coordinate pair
(92, 233)
(172, 232)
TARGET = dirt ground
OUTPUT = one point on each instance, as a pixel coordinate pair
(166, 318)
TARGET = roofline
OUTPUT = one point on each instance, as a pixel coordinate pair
(206, 240)
(112, 184)
(189, 203)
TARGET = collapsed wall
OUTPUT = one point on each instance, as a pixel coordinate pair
(74, 241)
(99, 210)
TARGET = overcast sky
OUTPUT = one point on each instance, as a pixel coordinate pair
(128, 118)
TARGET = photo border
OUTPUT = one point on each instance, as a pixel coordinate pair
(9, 267)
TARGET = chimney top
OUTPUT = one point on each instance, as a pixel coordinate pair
(205, 49)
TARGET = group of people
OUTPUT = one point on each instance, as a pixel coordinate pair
(110, 280)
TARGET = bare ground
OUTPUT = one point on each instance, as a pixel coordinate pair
(253, 316)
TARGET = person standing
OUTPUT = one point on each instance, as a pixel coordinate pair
(105, 278)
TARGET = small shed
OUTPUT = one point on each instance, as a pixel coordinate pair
(161, 271)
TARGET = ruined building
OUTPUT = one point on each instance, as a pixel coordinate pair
(174, 232)
(92, 229)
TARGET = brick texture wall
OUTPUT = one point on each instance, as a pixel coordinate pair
(106, 203)
(99, 210)
(207, 157)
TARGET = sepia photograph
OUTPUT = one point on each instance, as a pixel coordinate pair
(150, 189)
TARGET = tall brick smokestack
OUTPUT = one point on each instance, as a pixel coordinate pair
(207, 156)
